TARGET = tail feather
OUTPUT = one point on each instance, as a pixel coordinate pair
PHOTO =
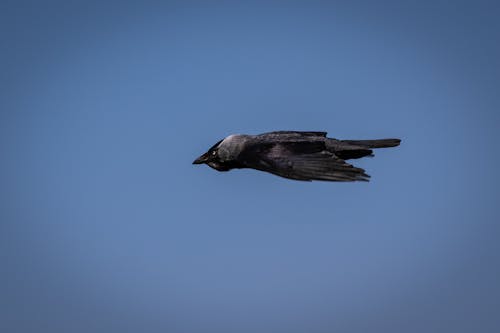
(382, 143)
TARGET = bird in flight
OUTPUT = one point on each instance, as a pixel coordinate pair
(295, 155)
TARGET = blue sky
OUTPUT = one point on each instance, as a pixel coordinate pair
(107, 227)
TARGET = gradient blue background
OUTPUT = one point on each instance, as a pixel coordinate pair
(107, 227)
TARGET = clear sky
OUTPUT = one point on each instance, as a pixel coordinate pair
(107, 227)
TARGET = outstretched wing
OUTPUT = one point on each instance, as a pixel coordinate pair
(293, 135)
(302, 161)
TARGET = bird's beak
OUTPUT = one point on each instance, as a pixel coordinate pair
(202, 159)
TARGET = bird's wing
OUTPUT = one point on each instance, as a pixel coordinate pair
(293, 134)
(303, 161)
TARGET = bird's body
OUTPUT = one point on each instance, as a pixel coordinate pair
(295, 155)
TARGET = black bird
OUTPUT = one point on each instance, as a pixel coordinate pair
(295, 155)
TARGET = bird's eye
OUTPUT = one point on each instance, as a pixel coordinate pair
(214, 153)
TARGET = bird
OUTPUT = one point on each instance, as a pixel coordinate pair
(297, 155)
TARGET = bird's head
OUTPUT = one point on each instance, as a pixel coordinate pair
(212, 158)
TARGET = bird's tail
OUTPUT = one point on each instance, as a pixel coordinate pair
(381, 143)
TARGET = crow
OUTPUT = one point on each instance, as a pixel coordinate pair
(295, 155)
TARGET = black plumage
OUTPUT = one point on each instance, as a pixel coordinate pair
(294, 155)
